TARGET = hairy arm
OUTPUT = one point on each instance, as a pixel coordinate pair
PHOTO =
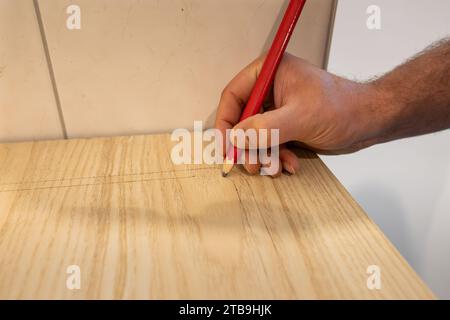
(414, 98)
(333, 115)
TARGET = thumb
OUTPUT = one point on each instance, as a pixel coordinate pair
(260, 130)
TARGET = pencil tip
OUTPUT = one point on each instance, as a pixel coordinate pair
(227, 167)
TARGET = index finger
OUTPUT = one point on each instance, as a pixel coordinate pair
(235, 96)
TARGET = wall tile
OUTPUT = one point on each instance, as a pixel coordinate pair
(151, 66)
(27, 104)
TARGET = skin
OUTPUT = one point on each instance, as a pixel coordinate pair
(332, 115)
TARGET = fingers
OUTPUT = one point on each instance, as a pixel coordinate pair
(273, 172)
(233, 99)
(288, 162)
(235, 96)
(280, 119)
(252, 166)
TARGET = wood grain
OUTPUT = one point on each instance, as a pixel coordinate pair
(140, 227)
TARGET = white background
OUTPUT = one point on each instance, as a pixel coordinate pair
(404, 185)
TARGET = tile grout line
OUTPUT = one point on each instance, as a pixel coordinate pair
(50, 68)
(326, 58)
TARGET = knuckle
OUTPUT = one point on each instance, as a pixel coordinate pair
(259, 122)
(224, 92)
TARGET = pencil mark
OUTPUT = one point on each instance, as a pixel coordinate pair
(105, 176)
(98, 183)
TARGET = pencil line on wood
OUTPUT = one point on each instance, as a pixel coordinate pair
(104, 176)
(95, 184)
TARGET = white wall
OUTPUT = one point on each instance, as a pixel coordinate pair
(404, 185)
(121, 73)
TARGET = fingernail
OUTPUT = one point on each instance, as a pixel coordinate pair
(289, 168)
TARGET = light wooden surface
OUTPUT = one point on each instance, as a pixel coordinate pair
(27, 104)
(140, 227)
(133, 63)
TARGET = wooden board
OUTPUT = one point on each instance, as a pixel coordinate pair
(140, 227)
(151, 66)
(28, 109)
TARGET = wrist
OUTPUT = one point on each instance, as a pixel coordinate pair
(375, 108)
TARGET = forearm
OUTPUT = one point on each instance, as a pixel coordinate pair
(414, 98)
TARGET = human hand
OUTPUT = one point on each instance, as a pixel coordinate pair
(323, 112)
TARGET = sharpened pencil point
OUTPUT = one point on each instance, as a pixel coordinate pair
(227, 167)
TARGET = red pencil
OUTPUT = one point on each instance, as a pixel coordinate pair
(268, 71)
